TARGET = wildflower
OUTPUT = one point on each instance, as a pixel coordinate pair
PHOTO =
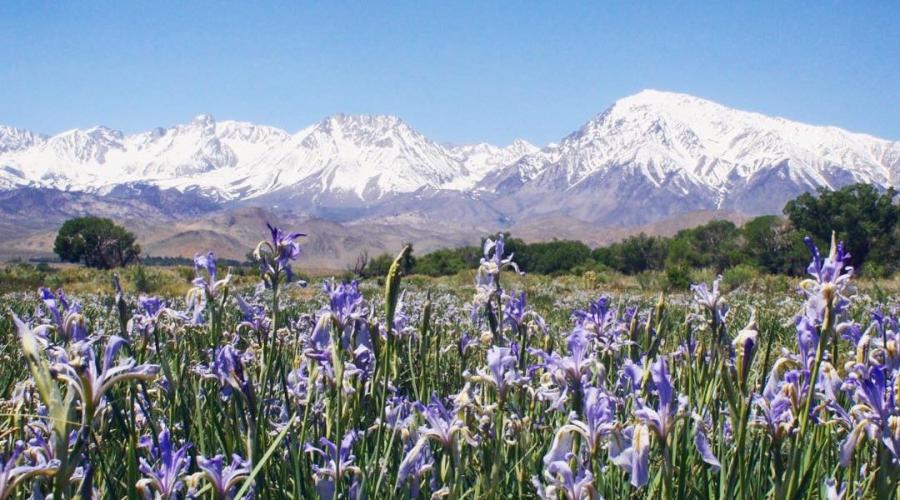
(502, 372)
(875, 414)
(339, 462)
(709, 298)
(662, 418)
(14, 473)
(701, 441)
(516, 313)
(418, 462)
(91, 381)
(442, 426)
(255, 318)
(598, 421)
(228, 369)
(152, 310)
(224, 479)
(567, 373)
(494, 259)
(834, 490)
(169, 465)
(67, 317)
(629, 448)
(275, 256)
(744, 347)
(207, 287)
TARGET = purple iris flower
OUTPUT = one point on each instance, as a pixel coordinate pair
(502, 372)
(92, 380)
(597, 422)
(346, 302)
(662, 418)
(601, 324)
(165, 476)
(876, 412)
(702, 428)
(629, 448)
(781, 400)
(228, 369)
(206, 285)
(558, 473)
(152, 309)
(569, 372)
(494, 259)
(710, 299)
(574, 485)
(339, 462)
(67, 317)
(13, 473)
(255, 318)
(443, 426)
(224, 479)
(417, 464)
(834, 490)
(832, 269)
(275, 256)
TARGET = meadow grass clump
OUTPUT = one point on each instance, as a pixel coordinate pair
(168, 383)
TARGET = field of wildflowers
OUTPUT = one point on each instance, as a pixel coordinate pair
(405, 392)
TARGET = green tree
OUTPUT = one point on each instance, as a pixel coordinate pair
(864, 218)
(96, 242)
(774, 245)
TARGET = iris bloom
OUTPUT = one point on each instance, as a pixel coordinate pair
(875, 413)
(91, 380)
(567, 373)
(558, 473)
(710, 298)
(152, 310)
(224, 479)
(702, 427)
(629, 448)
(443, 426)
(228, 369)
(169, 466)
(275, 256)
(501, 372)
(67, 317)
(597, 422)
(255, 318)
(339, 462)
(206, 287)
(14, 473)
(418, 462)
(662, 418)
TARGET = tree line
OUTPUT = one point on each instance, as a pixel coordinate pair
(862, 216)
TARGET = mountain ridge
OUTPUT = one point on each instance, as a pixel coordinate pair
(649, 156)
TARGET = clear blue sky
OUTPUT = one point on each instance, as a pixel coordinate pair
(458, 72)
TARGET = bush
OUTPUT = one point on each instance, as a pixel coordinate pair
(678, 277)
(735, 277)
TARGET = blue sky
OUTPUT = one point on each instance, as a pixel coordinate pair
(456, 71)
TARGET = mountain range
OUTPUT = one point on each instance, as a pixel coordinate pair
(650, 157)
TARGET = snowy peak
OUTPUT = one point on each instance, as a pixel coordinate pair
(665, 134)
(14, 139)
(361, 156)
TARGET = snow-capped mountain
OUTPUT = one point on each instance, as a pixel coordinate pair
(482, 159)
(647, 157)
(655, 154)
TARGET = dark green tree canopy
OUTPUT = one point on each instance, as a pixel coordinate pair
(96, 242)
(862, 216)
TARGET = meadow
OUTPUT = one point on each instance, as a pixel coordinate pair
(180, 382)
